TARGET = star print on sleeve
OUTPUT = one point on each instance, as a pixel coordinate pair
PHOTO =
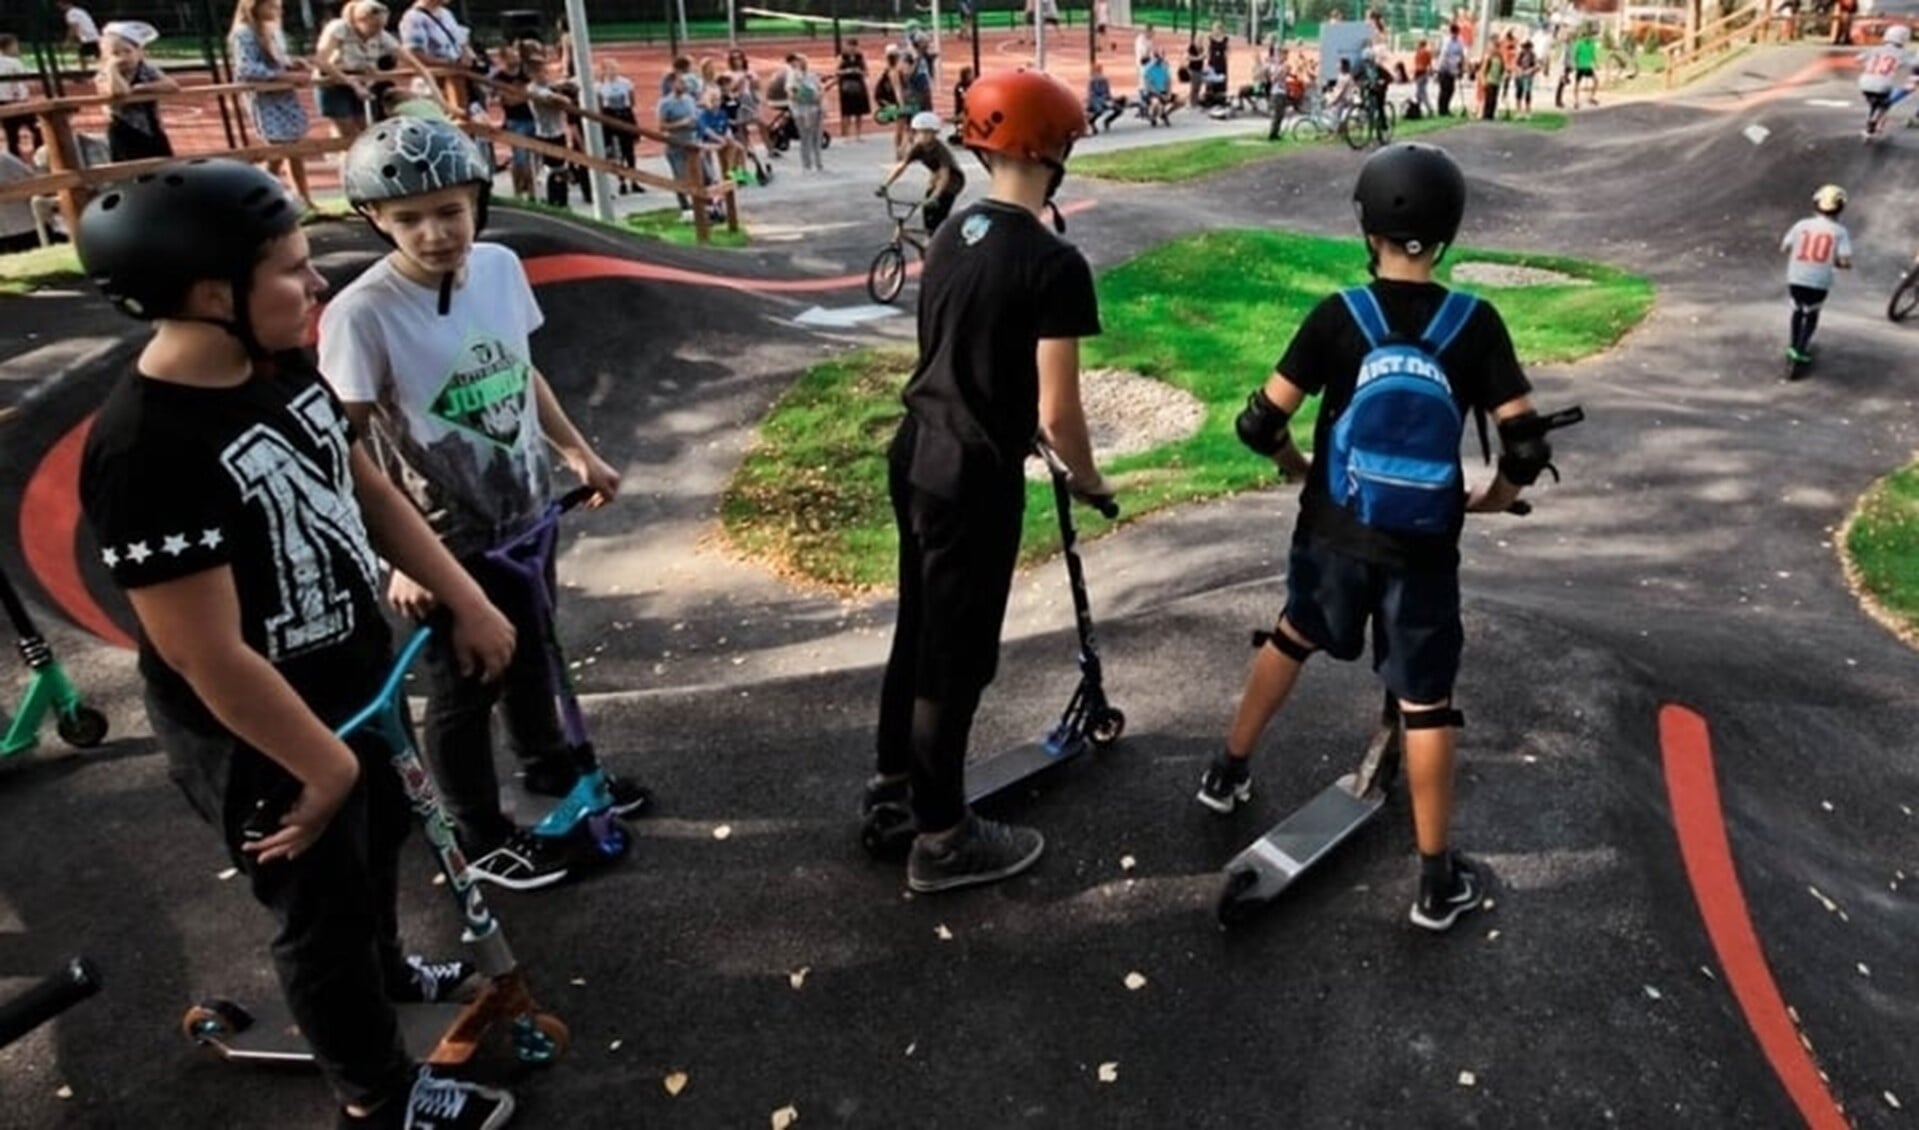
(137, 552)
(210, 539)
(110, 557)
(174, 545)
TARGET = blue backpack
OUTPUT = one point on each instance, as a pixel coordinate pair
(1393, 459)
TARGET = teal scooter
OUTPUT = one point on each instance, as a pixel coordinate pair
(49, 691)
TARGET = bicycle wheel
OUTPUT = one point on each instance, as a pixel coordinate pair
(1387, 115)
(1305, 129)
(887, 275)
(1905, 296)
(1354, 133)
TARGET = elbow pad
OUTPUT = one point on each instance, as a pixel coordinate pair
(1524, 452)
(1262, 425)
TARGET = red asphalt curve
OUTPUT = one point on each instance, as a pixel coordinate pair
(1686, 748)
(50, 506)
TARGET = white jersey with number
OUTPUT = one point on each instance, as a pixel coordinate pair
(1814, 246)
(1882, 68)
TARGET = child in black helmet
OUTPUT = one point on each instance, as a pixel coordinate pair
(1347, 570)
(428, 348)
(229, 499)
(1003, 305)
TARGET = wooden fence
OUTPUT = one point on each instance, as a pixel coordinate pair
(69, 179)
(1704, 48)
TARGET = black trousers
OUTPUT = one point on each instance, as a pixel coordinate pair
(955, 575)
(1447, 84)
(457, 732)
(338, 943)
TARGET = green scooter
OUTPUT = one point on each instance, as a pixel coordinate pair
(48, 690)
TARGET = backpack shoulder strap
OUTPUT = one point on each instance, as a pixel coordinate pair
(1364, 307)
(1448, 321)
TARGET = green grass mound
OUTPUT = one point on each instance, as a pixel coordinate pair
(1209, 314)
(1882, 551)
(1176, 161)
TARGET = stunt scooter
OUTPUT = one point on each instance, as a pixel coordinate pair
(1089, 721)
(48, 690)
(55, 994)
(441, 1033)
(590, 803)
(1261, 872)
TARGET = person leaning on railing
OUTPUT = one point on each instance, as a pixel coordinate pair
(350, 49)
(13, 93)
(260, 55)
(133, 128)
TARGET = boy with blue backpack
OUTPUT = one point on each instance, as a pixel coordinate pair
(1398, 362)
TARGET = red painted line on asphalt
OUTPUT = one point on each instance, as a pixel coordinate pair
(1686, 749)
(1785, 86)
(49, 535)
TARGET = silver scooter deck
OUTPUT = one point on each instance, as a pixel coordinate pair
(1271, 863)
(268, 1033)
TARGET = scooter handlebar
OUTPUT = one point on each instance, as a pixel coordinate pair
(1106, 504)
(48, 999)
(575, 498)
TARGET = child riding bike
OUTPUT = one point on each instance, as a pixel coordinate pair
(1878, 73)
(945, 182)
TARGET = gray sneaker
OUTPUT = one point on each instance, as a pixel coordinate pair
(982, 851)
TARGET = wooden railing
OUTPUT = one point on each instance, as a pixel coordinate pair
(72, 181)
(1714, 40)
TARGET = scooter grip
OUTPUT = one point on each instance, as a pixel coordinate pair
(1520, 508)
(1106, 504)
(575, 498)
(48, 999)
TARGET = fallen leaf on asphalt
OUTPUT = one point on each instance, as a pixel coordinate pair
(912, 1047)
(66, 1092)
(785, 1116)
(229, 873)
(615, 1045)
(723, 831)
(1826, 804)
(1136, 981)
(675, 1082)
(1892, 1100)
(943, 933)
(1127, 863)
(1468, 1079)
(1653, 993)
(1109, 1072)
(1492, 935)
(1863, 971)
(798, 976)
(579, 981)
(1831, 906)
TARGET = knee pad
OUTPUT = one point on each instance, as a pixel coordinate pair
(1432, 718)
(1284, 644)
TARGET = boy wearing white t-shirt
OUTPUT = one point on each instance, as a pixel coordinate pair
(1819, 246)
(428, 351)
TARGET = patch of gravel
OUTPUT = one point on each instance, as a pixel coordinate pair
(1127, 413)
(1508, 274)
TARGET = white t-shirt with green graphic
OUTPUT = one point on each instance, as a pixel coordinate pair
(455, 419)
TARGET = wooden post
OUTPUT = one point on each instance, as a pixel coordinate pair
(63, 156)
(696, 182)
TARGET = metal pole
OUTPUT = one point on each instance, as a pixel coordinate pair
(672, 33)
(733, 27)
(1092, 31)
(976, 15)
(1039, 34)
(593, 133)
(838, 48)
(936, 48)
(684, 34)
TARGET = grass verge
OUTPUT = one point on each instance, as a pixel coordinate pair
(1208, 314)
(1881, 548)
(659, 223)
(1176, 161)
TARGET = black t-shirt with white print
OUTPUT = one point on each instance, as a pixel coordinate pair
(177, 479)
(997, 283)
(1324, 357)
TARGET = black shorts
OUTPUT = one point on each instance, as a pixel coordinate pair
(88, 52)
(1583, 72)
(1416, 633)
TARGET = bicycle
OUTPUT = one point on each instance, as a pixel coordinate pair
(1905, 296)
(887, 276)
(1372, 126)
(1318, 119)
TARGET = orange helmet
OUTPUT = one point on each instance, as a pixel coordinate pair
(1024, 114)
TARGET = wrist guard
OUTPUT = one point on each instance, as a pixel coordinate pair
(1262, 425)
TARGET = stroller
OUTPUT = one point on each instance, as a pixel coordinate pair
(783, 132)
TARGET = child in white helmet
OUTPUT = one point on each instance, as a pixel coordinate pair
(1817, 245)
(1879, 73)
(947, 181)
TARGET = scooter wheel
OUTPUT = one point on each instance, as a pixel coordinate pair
(84, 728)
(215, 1019)
(888, 832)
(543, 1040)
(1234, 907)
(610, 837)
(1107, 726)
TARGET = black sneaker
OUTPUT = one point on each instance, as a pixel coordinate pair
(556, 778)
(426, 982)
(438, 1103)
(522, 862)
(1441, 903)
(1227, 784)
(981, 851)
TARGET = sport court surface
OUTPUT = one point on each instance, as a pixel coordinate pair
(1685, 558)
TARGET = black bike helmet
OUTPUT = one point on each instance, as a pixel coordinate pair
(1411, 194)
(146, 241)
(405, 157)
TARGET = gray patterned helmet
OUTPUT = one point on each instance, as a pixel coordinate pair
(404, 156)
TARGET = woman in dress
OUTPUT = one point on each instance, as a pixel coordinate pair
(259, 49)
(855, 103)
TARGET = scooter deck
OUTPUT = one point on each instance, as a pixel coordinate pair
(992, 775)
(1301, 840)
(274, 1037)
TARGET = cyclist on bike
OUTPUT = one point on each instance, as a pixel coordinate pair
(946, 181)
(1879, 72)
(1372, 81)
